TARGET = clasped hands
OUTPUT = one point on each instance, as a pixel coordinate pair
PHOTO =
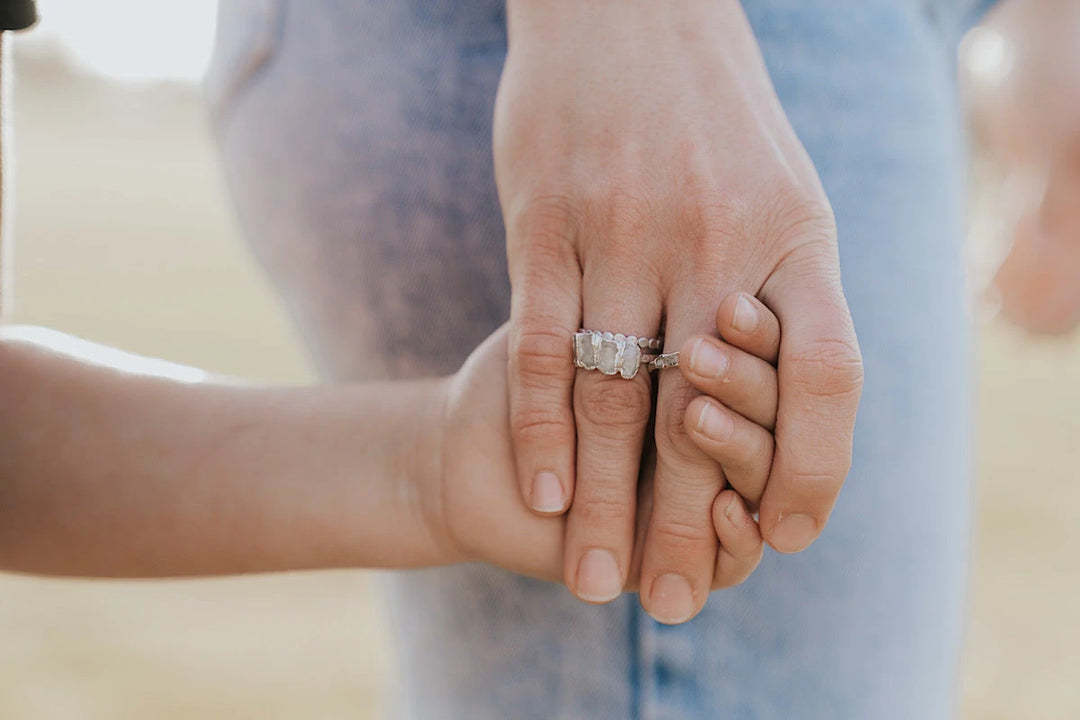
(486, 518)
(652, 181)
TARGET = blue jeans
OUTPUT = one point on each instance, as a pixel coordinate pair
(356, 141)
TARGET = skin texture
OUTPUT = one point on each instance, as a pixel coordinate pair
(112, 474)
(1027, 120)
(480, 479)
(108, 473)
(643, 179)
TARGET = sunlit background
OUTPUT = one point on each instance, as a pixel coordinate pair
(126, 238)
(132, 41)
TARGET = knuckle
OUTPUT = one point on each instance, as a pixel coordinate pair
(828, 368)
(782, 211)
(702, 219)
(813, 490)
(541, 235)
(760, 444)
(795, 215)
(620, 208)
(539, 355)
(612, 403)
(597, 509)
(529, 426)
(624, 221)
(680, 538)
(673, 433)
(543, 220)
(753, 454)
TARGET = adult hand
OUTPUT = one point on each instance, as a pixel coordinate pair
(474, 503)
(646, 169)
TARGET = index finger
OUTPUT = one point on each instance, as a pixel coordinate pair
(820, 377)
(545, 311)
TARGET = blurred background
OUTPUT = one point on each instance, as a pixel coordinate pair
(125, 237)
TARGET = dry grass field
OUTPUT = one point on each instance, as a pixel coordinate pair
(125, 238)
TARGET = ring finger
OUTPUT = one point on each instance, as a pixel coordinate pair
(611, 414)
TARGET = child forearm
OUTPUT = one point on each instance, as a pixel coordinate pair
(106, 473)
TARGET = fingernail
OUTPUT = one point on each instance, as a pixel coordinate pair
(671, 600)
(598, 578)
(746, 315)
(735, 514)
(547, 493)
(793, 533)
(707, 360)
(714, 423)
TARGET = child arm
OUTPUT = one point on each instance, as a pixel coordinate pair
(109, 473)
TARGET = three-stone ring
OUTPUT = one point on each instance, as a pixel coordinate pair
(618, 354)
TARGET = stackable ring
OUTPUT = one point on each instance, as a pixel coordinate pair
(614, 353)
(664, 360)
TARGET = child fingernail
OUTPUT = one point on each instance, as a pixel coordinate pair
(672, 599)
(707, 360)
(734, 513)
(547, 493)
(746, 317)
(598, 578)
(714, 423)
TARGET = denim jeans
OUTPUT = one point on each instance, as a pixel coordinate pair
(356, 141)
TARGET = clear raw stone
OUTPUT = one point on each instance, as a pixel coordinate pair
(608, 336)
(619, 337)
(609, 349)
(631, 360)
(583, 349)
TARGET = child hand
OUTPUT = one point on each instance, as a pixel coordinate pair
(733, 422)
(482, 512)
(484, 515)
